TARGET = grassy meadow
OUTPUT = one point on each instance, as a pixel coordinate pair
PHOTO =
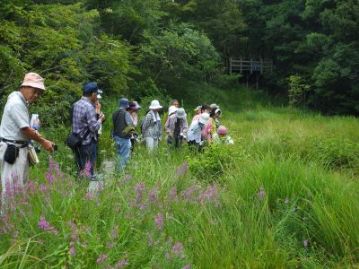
(285, 195)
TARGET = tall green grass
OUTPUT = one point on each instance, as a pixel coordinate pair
(284, 196)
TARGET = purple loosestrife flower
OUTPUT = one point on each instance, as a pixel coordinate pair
(210, 194)
(43, 188)
(72, 249)
(177, 250)
(187, 266)
(54, 167)
(182, 169)
(49, 177)
(261, 193)
(121, 264)
(101, 259)
(172, 195)
(44, 225)
(188, 194)
(114, 233)
(74, 231)
(153, 195)
(159, 221)
(139, 189)
(31, 186)
(87, 171)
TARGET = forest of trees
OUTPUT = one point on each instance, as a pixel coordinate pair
(156, 47)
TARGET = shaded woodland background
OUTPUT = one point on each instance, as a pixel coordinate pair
(145, 48)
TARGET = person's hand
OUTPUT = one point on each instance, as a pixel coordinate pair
(48, 145)
(102, 117)
(98, 107)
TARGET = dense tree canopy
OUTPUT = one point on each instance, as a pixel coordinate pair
(138, 46)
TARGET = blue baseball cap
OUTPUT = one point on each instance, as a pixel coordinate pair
(90, 87)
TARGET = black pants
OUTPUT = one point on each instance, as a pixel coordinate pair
(84, 154)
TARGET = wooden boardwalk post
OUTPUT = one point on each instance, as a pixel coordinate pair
(241, 65)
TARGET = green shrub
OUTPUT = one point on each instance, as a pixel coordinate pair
(210, 165)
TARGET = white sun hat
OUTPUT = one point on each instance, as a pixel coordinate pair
(171, 110)
(204, 118)
(155, 104)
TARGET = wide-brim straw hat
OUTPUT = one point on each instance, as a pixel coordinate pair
(33, 80)
(155, 104)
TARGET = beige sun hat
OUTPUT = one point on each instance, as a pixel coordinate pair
(33, 80)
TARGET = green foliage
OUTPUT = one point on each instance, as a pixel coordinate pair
(298, 90)
(315, 40)
(177, 54)
(59, 42)
(210, 164)
(221, 20)
(287, 196)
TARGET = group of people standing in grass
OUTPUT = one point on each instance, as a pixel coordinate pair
(205, 127)
(17, 134)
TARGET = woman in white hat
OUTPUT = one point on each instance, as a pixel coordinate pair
(176, 127)
(194, 135)
(151, 126)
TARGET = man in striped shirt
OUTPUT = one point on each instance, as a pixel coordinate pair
(86, 123)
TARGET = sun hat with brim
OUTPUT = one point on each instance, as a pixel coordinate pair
(90, 87)
(222, 130)
(181, 113)
(155, 104)
(214, 106)
(204, 118)
(134, 105)
(33, 80)
(198, 108)
(172, 109)
(123, 103)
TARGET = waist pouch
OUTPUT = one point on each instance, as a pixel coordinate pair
(73, 141)
(11, 153)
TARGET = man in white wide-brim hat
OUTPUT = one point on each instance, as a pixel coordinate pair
(151, 126)
(16, 132)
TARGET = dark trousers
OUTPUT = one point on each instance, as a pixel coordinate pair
(84, 154)
(175, 141)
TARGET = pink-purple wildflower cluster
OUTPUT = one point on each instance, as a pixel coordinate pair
(44, 225)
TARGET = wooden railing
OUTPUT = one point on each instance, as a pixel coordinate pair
(241, 65)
